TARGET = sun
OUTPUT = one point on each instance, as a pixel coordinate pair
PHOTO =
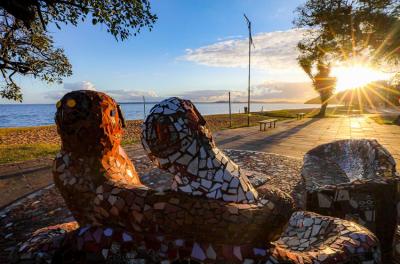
(356, 76)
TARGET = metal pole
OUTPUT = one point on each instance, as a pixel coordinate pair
(144, 108)
(248, 92)
(248, 88)
(230, 112)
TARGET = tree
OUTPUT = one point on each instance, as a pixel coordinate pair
(28, 50)
(346, 30)
(323, 83)
(314, 59)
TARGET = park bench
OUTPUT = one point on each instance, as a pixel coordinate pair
(300, 115)
(267, 121)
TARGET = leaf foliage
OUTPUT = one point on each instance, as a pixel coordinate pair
(27, 48)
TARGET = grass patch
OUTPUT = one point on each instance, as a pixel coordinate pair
(384, 120)
(291, 113)
(129, 141)
(331, 112)
(16, 153)
(283, 113)
(222, 121)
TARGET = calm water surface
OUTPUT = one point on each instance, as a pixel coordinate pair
(25, 115)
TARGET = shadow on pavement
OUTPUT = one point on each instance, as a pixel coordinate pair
(260, 143)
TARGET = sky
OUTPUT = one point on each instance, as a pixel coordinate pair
(198, 49)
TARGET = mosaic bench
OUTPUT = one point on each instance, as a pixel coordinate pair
(354, 180)
(313, 238)
(309, 238)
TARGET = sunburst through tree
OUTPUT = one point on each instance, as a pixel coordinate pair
(352, 40)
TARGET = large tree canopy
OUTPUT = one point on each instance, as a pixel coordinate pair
(346, 30)
(27, 49)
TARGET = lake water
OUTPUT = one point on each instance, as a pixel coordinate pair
(25, 115)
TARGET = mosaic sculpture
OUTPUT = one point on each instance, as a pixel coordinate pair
(309, 239)
(312, 238)
(354, 180)
(176, 137)
(101, 187)
(122, 221)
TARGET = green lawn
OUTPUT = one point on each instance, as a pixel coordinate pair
(15, 153)
(291, 113)
(384, 119)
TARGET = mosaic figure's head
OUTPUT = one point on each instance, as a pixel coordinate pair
(176, 137)
(88, 122)
(175, 127)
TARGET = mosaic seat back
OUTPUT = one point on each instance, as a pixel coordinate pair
(354, 180)
(312, 238)
(175, 135)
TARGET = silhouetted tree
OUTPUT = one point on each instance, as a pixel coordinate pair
(323, 83)
(27, 49)
(342, 30)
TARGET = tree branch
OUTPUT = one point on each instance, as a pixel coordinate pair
(40, 16)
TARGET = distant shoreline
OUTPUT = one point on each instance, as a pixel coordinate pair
(26, 115)
(156, 102)
(211, 116)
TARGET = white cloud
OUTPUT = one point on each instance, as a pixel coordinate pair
(120, 95)
(230, 37)
(267, 91)
(58, 94)
(83, 85)
(291, 91)
(274, 51)
(132, 95)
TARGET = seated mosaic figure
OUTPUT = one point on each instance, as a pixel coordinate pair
(121, 219)
(176, 137)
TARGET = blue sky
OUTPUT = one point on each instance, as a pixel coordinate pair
(197, 50)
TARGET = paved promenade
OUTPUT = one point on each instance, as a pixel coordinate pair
(290, 138)
(296, 137)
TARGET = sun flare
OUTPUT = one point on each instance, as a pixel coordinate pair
(356, 76)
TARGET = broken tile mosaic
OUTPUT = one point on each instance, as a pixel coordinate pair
(212, 213)
(355, 180)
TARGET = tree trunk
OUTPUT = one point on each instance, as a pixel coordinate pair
(397, 121)
(322, 111)
(324, 85)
